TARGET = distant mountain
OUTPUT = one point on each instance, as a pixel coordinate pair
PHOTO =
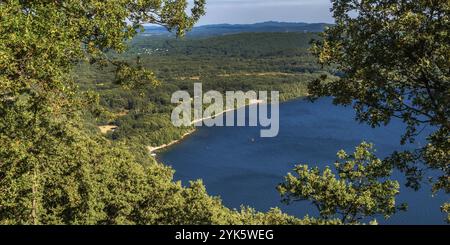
(225, 29)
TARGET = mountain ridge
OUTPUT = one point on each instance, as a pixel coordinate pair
(225, 29)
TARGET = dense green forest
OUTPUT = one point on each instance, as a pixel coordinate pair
(65, 71)
(238, 62)
(55, 168)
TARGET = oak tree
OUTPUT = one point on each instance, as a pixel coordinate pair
(393, 58)
(359, 191)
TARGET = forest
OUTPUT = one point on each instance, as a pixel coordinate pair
(237, 62)
(83, 94)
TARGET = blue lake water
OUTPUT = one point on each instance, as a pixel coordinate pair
(244, 169)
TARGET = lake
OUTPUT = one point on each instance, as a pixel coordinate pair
(244, 169)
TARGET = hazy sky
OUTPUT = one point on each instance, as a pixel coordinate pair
(252, 11)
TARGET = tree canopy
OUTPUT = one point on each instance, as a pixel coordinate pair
(360, 190)
(394, 59)
(53, 170)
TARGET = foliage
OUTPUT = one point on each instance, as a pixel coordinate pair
(360, 190)
(51, 171)
(53, 168)
(395, 60)
(446, 209)
(56, 169)
(269, 61)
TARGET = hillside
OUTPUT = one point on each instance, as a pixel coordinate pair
(245, 61)
(245, 45)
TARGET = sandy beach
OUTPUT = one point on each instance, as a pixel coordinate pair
(153, 149)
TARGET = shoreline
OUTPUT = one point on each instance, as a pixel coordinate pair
(153, 149)
(156, 148)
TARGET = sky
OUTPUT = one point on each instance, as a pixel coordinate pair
(253, 11)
